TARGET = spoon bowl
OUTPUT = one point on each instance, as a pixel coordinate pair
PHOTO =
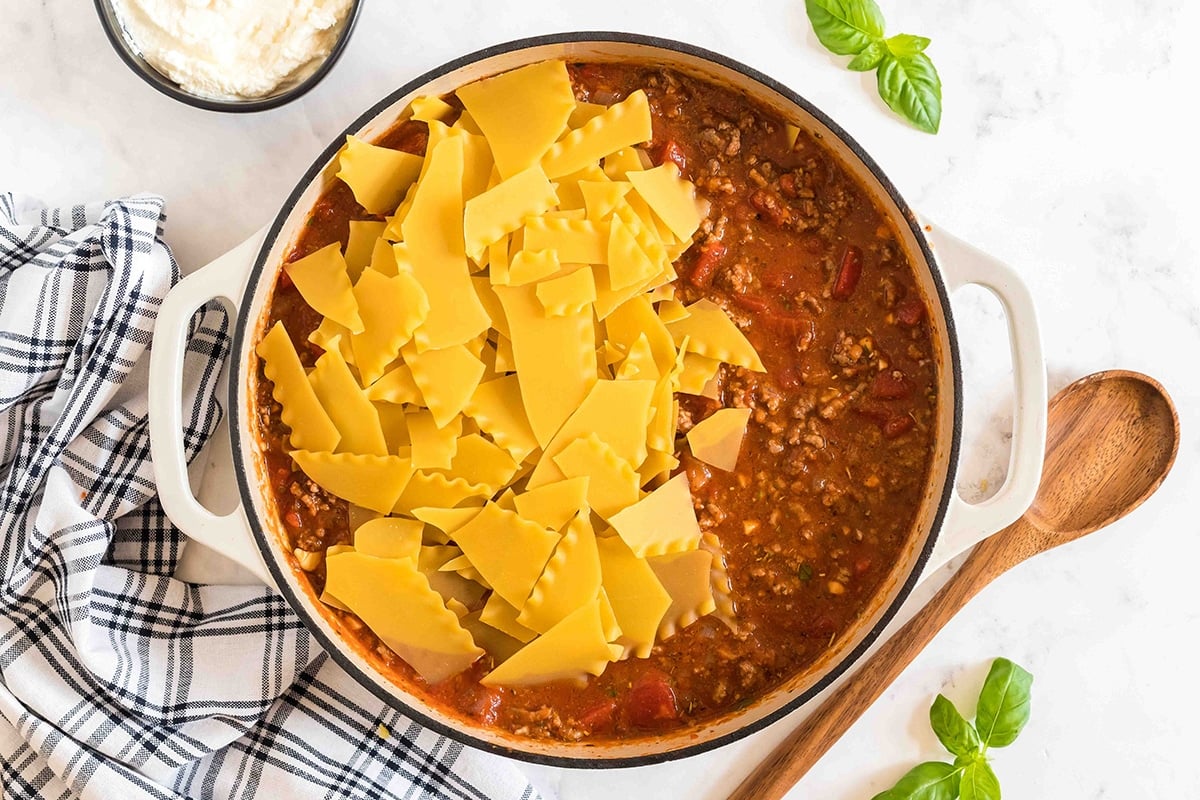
(1111, 439)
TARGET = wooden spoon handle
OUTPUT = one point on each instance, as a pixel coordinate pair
(794, 756)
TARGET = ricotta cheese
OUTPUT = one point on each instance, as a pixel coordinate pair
(232, 48)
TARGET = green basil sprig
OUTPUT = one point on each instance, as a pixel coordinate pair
(1002, 712)
(908, 81)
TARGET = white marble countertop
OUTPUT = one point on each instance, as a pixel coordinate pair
(1066, 149)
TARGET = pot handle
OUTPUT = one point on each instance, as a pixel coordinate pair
(230, 534)
(967, 524)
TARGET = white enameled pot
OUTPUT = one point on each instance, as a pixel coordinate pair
(946, 526)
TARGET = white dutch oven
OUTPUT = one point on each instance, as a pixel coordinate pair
(946, 525)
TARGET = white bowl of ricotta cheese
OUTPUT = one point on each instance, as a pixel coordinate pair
(229, 55)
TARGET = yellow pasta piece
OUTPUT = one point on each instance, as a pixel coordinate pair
(619, 164)
(508, 551)
(638, 599)
(373, 482)
(394, 423)
(555, 358)
(637, 212)
(685, 576)
(398, 605)
(555, 504)
(389, 537)
(608, 618)
(612, 482)
(311, 427)
(347, 405)
(628, 264)
(505, 360)
(396, 386)
(433, 447)
(621, 125)
(500, 210)
(498, 259)
(636, 318)
(496, 407)
(521, 112)
(429, 107)
(501, 615)
(712, 333)
(331, 335)
(616, 411)
(601, 197)
(576, 241)
(323, 282)
(639, 363)
(571, 578)
(499, 645)
(452, 586)
(391, 309)
(467, 123)
(717, 439)
(386, 257)
(570, 195)
(722, 589)
(571, 293)
(671, 310)
(447, 520)
(584, 112)
(657, 467)
(433, 489)
(574, 647)
(663, 521)
(433, 235)
(528, 266)
(671, 197)
(447, 377)
(378, 176)
(664, 292)
(660, 433)
(364, 235)
(481, 462)
(491, 303)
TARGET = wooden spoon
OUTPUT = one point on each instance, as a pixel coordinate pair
(1111, 439)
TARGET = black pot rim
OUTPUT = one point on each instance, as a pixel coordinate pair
(160, 82)
(591, 757)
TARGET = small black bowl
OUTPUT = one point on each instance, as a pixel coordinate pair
(284, 94)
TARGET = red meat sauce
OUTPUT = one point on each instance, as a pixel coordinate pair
(835, 461)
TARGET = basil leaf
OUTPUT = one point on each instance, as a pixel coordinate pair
(845, 27)
(1003, 703)
(979, 782)
(933, 780)
(952, 729)
(905, 44)
(869, 58)
(911, 87)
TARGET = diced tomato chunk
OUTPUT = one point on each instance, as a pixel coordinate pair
(848, 274)
(599, 717)
(897, 425)
(890, 385)
(910, 312)
(751, 302)
(292, 519)
(651, 701)
(707, 262)
(670, 151)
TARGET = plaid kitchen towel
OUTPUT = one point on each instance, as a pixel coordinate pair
(117, 681)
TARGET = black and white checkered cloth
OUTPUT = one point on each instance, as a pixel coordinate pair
(117, 681)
